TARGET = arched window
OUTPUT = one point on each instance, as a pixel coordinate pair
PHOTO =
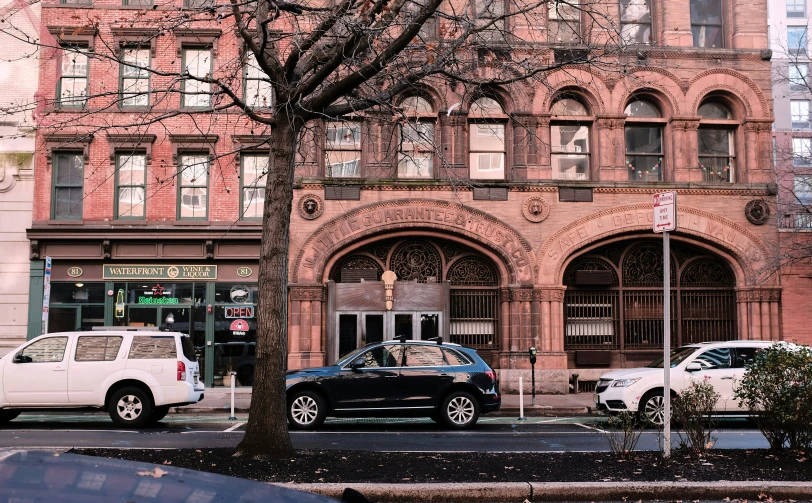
(644, 142)
(486, 133)
(716, 138)
(416, 153)
(570, 140)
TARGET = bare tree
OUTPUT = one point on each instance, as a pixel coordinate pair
(309, 63)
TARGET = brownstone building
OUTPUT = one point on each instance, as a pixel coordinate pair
(529, 224)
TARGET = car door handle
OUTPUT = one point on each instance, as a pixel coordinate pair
(390, 377)
(59, 369)
(445, 375)
(727, 378)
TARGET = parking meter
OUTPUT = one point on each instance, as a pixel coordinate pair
(533, 373)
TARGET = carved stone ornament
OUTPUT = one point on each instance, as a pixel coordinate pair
(310, 206)
(757, 212)
(535, 209)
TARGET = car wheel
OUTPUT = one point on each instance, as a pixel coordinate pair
(8, 415)
(652, 408)
(159, 413)
(460, 410)
(246, 375)
(306, 411)
(130, 407)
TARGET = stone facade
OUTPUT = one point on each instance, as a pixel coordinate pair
(526, 226)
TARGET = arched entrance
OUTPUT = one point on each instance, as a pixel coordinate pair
(443, 287)
(614, 301)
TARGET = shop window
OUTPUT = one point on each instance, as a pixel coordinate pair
(644, 142)
(75, 306)
(68, 185)
(797, 76)
(72, 88)
(135, 76)
(48, 350)
(564, 21)
(802, 152)
(152, 347)
(258, 87)
(97, 348)
(77, 293)
(198, 63)
(570, 141)
(131, 178)
(235, 333)
(253, 180)
(343, 149)
(193, 200)
(717, 154)
(706, 23)
(796, 40)
(635, 21)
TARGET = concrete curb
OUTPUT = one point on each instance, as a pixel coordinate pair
(565, 491)
(509, 412)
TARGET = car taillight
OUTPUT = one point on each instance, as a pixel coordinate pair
(491, 374)
(181, 371)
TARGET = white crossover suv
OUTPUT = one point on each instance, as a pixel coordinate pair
(136, 374)
(640, 390)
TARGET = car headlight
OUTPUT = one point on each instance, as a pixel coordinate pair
(623, 383)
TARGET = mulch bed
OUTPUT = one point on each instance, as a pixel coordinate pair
(403, 467)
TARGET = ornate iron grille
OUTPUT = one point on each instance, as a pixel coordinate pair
(416, 261)
(474, 319)
(628, 315)
(472, 271)
(357, 262)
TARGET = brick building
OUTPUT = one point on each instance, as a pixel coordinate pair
(529, 225)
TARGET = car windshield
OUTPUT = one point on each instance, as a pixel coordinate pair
(347, 355)
(677, 356)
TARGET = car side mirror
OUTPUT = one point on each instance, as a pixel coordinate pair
(693, 367)
(359, 363)
(21, 358)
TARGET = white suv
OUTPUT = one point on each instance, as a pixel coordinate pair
(640, 390)
(136, 374)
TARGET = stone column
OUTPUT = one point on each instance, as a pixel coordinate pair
(609, 163)
(759, 313)
(685, 145)
(748, 164)
(305, 326)
(544, 171)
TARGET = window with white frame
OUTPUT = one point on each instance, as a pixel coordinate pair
(135, 77)
(796, 40)
(131, 176)
(802, 151)
(73, 78)
(194, 186)
(564, 21)
(258, 88)
(635, 21)
(198, 63)
(253, 180)
(796, 8)
(343, 149)
(486, 137)
(799, 111)
(802, 189)
(706, 23)
(797, 76)
(569, 155)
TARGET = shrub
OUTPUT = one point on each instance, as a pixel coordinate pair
(693, 409)
(777, 388)
(623, 431)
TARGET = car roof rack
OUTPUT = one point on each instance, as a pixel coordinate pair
(125, 329)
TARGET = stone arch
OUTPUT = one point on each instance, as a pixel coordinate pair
(725, 79)
(745, 252)
(427, 91)
(501, 95)
(582, 80)
(668, 103)
(450, 221)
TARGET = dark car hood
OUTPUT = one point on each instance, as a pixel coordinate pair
(310, 371)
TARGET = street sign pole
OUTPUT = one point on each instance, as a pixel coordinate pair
(665, 220)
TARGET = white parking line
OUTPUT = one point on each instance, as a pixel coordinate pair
(582, 425)
(228, 430)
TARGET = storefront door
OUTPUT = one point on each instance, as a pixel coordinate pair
(358, 329)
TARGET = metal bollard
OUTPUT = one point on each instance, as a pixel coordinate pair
(521, 400)
(233, 387)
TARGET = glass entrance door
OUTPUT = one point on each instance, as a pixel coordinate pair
(420, 325)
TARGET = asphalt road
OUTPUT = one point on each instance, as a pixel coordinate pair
(491, 435)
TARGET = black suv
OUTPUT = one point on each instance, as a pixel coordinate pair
(446, 382)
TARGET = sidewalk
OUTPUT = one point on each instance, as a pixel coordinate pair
(219, 400)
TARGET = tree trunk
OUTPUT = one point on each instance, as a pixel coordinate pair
(267, 432)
